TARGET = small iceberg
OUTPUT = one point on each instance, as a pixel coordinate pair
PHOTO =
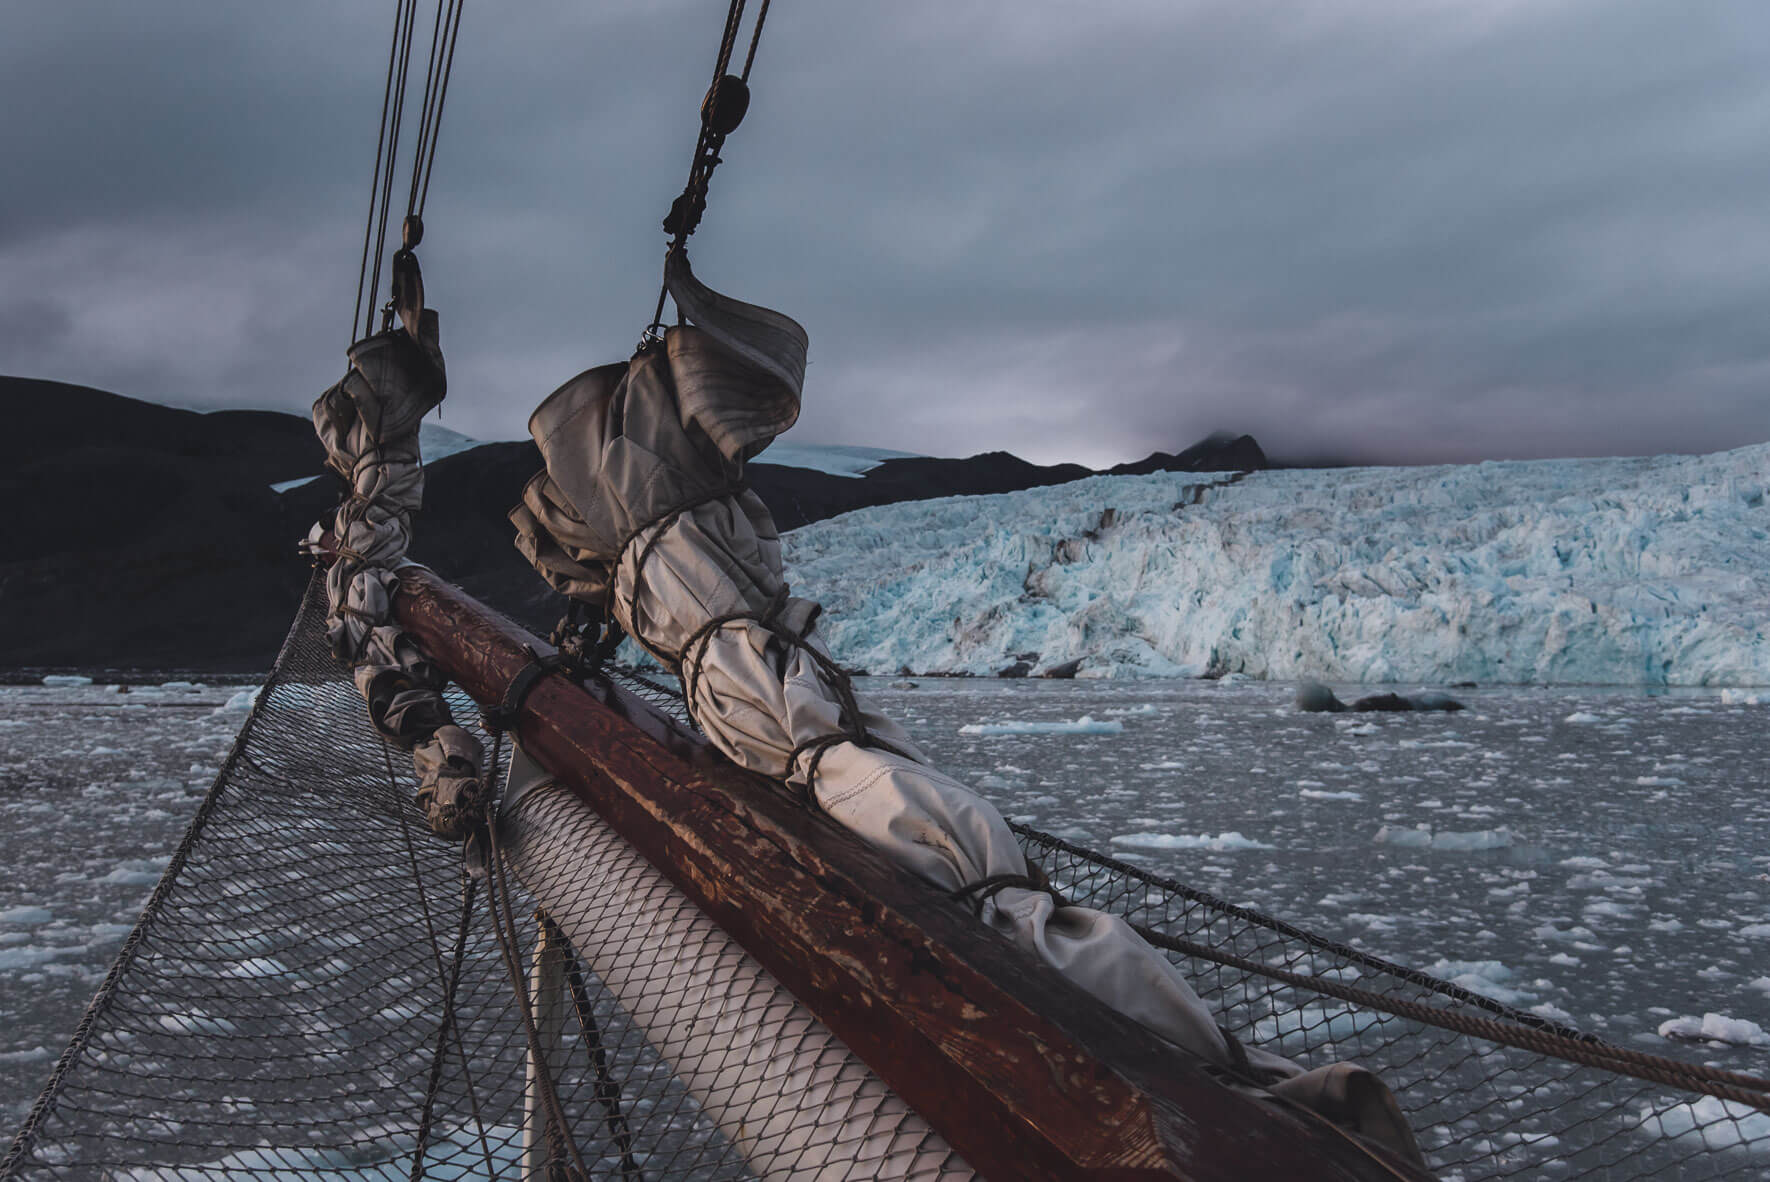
(65, 680)
(1721, 1124)
(240, 703)
(1426, 839)
(1316, 1023)
(1738, 1032)
(1489, 978)
(1085, 725)
(1187, 841)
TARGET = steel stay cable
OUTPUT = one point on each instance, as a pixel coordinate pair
(375, 182)
(442, 95)
(755, 39)
(443, 37)
(410, 12)
(1259, 919)
(705, 138)
(607, 1091)
(450, 980)
(498, 895)
(430, 67)
(1727, 1085)
(498, 892)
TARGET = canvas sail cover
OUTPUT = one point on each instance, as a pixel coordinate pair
(641, 510)
(368, 423)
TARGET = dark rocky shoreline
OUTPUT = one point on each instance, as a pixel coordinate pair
(143, 539)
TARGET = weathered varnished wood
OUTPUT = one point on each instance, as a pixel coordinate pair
(1024, 1074)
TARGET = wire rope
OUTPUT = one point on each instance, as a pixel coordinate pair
(439, 65)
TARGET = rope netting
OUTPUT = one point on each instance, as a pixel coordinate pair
(282, 1010)
(315, 990)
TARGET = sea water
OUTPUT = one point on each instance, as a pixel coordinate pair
(1597, 856)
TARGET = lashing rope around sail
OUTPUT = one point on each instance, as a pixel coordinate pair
(689, 658)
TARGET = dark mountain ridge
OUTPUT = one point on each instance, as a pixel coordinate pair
(145, 537)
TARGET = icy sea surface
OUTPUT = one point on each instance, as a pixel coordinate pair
(1600, 857)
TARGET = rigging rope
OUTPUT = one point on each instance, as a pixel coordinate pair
(1694, 1077)
(375, 181)
(728, 98)
(444, 35)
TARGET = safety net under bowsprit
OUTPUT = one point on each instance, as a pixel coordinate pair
(318, 989)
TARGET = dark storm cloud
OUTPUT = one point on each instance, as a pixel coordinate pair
(1389, 229)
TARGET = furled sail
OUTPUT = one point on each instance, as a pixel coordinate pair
(641, 510)
(369, 423)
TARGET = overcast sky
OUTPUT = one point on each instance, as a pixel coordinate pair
(1397, 230)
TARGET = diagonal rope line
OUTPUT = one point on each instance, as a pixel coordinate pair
(442, 95)
(375, 182)
(1693, 1077)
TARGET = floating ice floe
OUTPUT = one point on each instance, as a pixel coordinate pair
(1583, 716)
(30, 956)
(1085, 725)
(137, 872)
(1739, 1032)
(259, 966)
(1489, 978)
(1321, 794)
(240, 703)
(1722, 1124)
(195, 1021)
(1187, 841)
(1444, 839)
(380, 1155)
(1146, 710)
(29, 1055)
(1733, 697)
(65, 680)
(1315, 1023)
(26, 916)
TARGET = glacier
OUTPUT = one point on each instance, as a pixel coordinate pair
(1639, 571)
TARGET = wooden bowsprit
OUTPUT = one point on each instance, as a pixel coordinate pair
(1024, 1074)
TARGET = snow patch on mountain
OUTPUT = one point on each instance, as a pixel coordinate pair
(832, 458)
(437, 442)
(1608, 571)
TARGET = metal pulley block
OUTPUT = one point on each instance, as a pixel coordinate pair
(724, 107)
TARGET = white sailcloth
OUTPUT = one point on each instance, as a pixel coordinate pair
(641, 508)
